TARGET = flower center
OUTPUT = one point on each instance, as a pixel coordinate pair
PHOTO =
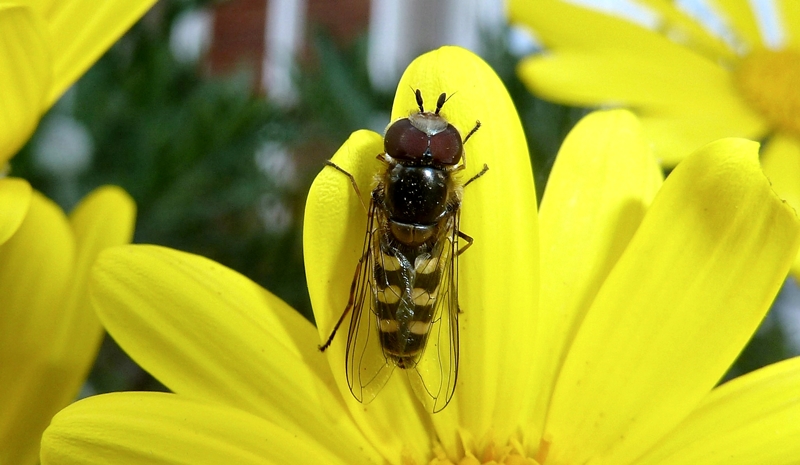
(510, 454)
(770, 81)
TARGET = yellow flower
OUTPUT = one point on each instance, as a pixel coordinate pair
(49, 333)
(593, 331)
(689, 86)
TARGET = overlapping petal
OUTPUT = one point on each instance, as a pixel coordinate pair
(675, 135)
(780, 159)
(714, 248)
(49, 336)
(42, 246)
(600, 187)
(15, 198)
(159, 428)
(333, 236)
(188, 320)
(750, 420)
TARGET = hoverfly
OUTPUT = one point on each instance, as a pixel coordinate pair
(404, 295)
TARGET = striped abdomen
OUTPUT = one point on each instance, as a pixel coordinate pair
(407, 284)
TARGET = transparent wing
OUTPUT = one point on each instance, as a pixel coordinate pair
(434, 376)
(366, 366)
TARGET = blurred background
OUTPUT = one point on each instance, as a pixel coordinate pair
(216, 116)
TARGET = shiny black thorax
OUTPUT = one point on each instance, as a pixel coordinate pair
(417, 201)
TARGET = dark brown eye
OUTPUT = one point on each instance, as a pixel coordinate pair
(404, 141)
(446, 146)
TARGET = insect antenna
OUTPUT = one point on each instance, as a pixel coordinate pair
(419, 100)
(440, 103)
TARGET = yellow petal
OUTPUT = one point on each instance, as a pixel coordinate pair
(676, 22)
(499, 274)
(560, 25)
(500, 270)
(25, 80)
(35, 270)
(207, 332)
(103, 219)
(676, 135)
(602, 182)
(665, 78)
(752, 419)
(158, 428)
(684, 103)
(81, 31)
(15, 198)
(684, 298)
(789, 17)
(781, 161)
(739, 15)
(333, 236)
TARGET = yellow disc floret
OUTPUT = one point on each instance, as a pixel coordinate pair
(512, 453)
(769, 80)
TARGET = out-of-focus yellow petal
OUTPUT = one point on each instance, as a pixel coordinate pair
(780, 159)
(103, 219)
(789, 17)
(562, 25)
(647, 81)
(602, 183)
(752, 419)
(675, 22)
(25, 80)
(739, 15)
(676, 135)
(684, 298)
(81, 31)
(333, 236)
(15, 198)
(158, 428)
(499, 274)
(207, 332)
(68, 346)
(35, 269)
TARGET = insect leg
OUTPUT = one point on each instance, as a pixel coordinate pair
(467, 238)
(463, 164)
(349, 307)
(473, 131)
(483, 171)
(352, 181)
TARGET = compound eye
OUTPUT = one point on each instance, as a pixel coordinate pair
(446, 146)
(404, 141)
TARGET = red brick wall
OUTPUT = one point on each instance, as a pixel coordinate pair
(238, 31)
